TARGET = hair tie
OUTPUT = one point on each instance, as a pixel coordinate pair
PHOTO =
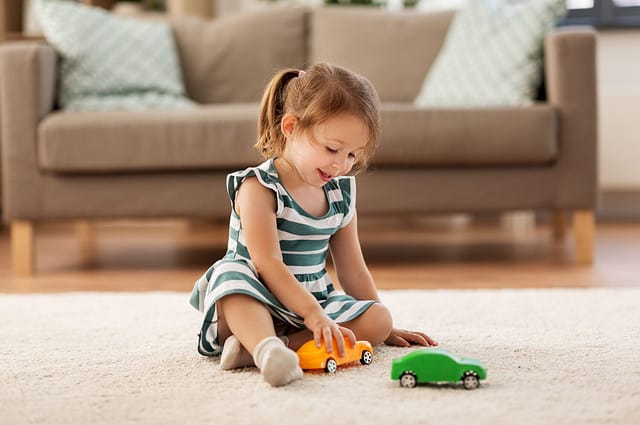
(301, 73)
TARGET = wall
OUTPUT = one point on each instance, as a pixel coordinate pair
(619, 109)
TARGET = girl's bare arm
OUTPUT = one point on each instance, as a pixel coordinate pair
(356, 280)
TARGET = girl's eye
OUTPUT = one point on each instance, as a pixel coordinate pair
(332, 150)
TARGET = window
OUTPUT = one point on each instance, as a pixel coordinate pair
(603, 13)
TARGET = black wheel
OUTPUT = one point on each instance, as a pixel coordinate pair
(367, 357)
(331, 366)
(408, 380)
(470, 380)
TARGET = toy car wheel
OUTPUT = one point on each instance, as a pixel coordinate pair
(331, 366)
(470, 380)
(408, 380)
(367, 357)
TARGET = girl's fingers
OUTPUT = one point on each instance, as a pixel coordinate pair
(317, 337)
(348, 333)
(425, 339)
(397, 341)
(432, 341)
(416, 338)
(340, 343)
(404, 338)
(326, 334)
(420, 338)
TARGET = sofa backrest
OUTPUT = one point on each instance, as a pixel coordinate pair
(232, 58)
(393, 49)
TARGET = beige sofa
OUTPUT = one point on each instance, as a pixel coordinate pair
(102, 165)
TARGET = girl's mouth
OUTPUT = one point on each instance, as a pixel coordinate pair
(324, 176)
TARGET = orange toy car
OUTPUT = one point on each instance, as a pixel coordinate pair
(312, 357)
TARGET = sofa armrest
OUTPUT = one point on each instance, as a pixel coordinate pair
(27, 91)
(570, 72)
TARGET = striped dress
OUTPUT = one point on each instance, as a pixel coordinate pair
(304, 242)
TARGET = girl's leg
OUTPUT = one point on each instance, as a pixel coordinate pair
(250, 322)
(374, 325)
(246, 318)
(234, 355)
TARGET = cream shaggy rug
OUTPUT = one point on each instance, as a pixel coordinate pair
(553, 357)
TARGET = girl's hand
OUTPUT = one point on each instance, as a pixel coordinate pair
(325, 329)
(404, 338)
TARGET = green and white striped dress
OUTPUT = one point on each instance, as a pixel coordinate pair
(304, 242)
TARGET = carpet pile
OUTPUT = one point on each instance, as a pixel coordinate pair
(560, 356)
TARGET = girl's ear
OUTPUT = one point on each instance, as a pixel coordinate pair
(288, 124)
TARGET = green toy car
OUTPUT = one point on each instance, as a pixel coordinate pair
(434, 365)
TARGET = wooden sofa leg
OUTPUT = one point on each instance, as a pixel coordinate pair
(559, 223)
(22, 248)
(85, 234)
(584, 229)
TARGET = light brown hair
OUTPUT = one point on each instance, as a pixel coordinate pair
(315, 95)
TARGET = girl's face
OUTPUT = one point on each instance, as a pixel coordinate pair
(327, 150)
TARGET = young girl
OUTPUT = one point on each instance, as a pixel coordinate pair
(271, 292)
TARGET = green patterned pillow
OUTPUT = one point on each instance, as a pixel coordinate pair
(492, 55)
(110, 62)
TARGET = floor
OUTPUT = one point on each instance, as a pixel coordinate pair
(401, 253)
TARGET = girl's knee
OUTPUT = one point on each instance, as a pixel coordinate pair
(378, 324)
(384, 319)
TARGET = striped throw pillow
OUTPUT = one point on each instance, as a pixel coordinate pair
(492, 55)
(111, 62)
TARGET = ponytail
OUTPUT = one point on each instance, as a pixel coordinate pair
(271, 141)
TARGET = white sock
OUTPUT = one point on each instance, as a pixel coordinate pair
(234, 355)
(278, 364)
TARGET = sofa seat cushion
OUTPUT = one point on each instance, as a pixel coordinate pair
(413, 136)
(221, 136)
(203, 138)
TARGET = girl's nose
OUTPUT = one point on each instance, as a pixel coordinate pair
(339, 167)
(341, 163)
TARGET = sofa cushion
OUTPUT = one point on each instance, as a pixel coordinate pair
(232, 58)
(211, 137)
(492, 55)
(467, 137)
(110, 62)
(393, 50)
(222, 137)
